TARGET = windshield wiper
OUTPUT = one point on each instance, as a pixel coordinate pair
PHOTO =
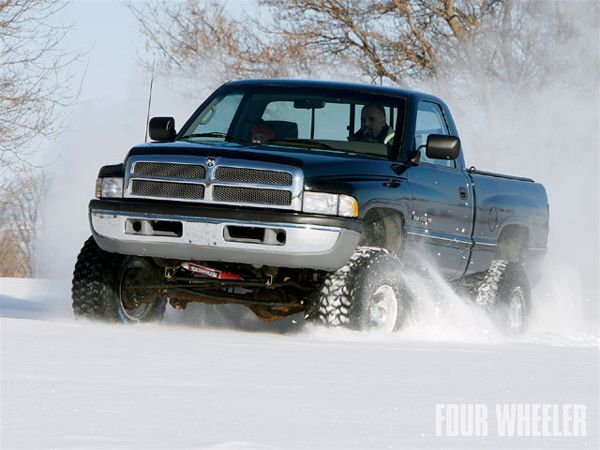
(217, 134)
(302, 143)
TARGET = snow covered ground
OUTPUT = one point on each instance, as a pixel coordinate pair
(217, 378)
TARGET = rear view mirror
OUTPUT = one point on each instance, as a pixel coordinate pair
(162, 128)
(440, 146)
(309, 103)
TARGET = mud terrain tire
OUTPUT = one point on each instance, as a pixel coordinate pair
(513, 299)
(367, 293)
(97, 282)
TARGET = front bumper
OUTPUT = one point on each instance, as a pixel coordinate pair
(213, 234)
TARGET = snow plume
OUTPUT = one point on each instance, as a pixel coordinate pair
(441, 314)
(550, 132)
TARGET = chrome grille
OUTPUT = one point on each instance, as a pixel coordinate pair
(255, 176)
(218, 180)
(169, 169)
(150, 188)
(252, 195)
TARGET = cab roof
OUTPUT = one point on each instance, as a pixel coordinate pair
(354, 87)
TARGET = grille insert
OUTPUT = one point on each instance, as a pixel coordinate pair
(148, 188)
(169, 169)
(252, 195)
(243, 175)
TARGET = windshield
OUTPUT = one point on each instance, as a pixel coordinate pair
(280, 116)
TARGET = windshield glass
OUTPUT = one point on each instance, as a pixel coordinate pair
(311, 119)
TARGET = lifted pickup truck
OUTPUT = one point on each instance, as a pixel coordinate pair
(287, 197)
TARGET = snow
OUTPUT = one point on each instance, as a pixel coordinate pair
(225, 383)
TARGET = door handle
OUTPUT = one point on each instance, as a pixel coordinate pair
(462, 193)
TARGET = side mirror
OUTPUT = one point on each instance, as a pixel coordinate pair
(440, 146)
(162, 129)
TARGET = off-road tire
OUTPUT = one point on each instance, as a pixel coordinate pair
(347, 295)
(96, 288)
(513, 298)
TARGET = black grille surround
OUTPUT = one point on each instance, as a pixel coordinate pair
(233, 194)
(174, 170)
(254, 176)
(165, 189)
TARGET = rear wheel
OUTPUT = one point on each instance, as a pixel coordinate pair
(367, 293)
(112, 287)
(513, 299)
(504, 291)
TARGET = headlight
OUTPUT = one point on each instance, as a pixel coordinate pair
(320, 203)
(109, 187)
(330, 204)
(348, 206)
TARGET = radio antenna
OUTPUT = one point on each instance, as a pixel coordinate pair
(149, 100)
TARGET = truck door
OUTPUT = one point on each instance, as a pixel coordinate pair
(441, 217)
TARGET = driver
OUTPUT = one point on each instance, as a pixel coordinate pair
(373, 127)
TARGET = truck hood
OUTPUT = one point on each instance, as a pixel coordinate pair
(317, 164)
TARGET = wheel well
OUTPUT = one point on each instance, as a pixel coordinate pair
(512, 242)
(384, 228)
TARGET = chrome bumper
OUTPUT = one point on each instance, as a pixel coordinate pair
(283, 244)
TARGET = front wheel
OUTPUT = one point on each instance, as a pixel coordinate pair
(367, 293)
(114, 288)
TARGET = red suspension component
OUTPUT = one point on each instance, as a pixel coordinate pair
(206, 271)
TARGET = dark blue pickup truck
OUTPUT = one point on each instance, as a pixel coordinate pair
(307, 197)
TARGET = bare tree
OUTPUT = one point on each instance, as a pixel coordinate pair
(402, 42)
(200, 38)
(34, 82)
(19, 220)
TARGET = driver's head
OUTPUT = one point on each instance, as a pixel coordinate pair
(372, 120)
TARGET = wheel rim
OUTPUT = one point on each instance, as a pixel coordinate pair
(131, 307)
(516, 310)
(384, 309)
